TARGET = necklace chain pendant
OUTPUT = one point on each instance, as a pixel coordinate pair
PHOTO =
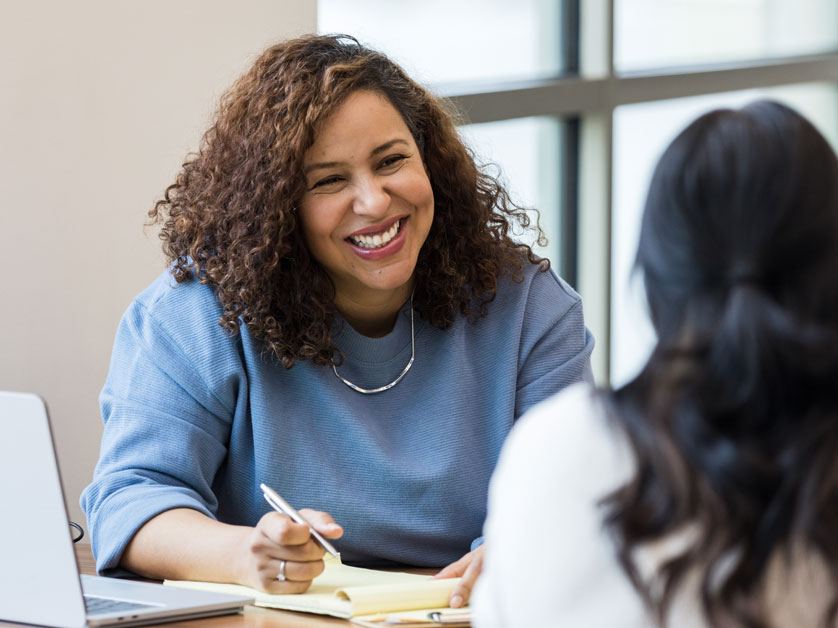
(372, 391)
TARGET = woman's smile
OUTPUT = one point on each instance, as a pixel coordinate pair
(373, 243)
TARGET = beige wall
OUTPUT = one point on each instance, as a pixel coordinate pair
(99, 103)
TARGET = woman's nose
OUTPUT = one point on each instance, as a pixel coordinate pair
(371, 199)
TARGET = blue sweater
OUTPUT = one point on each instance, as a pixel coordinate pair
(195, 418)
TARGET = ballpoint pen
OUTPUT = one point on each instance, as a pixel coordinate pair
(454, 618)
(282, 506)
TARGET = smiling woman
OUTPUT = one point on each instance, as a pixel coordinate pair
(330, 218)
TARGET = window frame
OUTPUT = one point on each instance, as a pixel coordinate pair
(586, 99)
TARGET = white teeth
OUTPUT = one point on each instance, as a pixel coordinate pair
(378, 240)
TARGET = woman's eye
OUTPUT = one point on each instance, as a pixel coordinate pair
(392, 160)
(327, 181)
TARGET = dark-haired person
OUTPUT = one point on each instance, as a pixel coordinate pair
(703, 492)
(345, 319)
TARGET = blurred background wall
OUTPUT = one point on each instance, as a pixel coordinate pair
(100, 101)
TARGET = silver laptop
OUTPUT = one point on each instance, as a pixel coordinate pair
(39, 578)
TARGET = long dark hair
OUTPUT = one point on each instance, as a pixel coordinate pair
(230, 217)
(734, 419)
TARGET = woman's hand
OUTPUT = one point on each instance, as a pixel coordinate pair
(468, 568)
(277, 539)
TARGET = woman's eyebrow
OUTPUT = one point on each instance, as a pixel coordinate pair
(320, 166)
(375, 151)
(388, 145)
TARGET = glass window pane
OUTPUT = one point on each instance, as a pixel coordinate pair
(641, 133)
(657, 33)
(438, 41)
(526, 153)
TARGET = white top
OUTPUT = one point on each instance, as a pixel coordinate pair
(549, 559)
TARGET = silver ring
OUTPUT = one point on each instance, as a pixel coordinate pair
(281, 575)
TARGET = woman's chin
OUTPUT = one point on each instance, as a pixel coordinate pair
(385, 282)
(388, 286)
(375, 282)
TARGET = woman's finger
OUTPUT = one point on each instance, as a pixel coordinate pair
(278, 538)
(462, 592)
(279, 529)
(307, 552)
(323, 522)
(468, 569)
(289, 576)
(455, 569)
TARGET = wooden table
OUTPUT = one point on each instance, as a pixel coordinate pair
(252, 617)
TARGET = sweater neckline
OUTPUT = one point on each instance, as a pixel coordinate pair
(359, 348)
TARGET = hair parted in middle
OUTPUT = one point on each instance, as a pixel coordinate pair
(230, 218)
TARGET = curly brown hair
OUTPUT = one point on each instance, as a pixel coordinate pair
(230, 216)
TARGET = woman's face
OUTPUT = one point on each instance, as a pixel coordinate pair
(368, 204)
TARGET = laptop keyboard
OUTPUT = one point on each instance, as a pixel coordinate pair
(96, 605)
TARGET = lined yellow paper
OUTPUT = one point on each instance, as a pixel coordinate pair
(385, 598)
(344, 591)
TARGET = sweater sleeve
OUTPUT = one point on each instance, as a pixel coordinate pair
(165, 436)
(556, 347)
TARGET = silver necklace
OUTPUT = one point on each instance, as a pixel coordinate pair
(372, 391)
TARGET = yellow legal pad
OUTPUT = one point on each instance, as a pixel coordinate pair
(349, 592)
